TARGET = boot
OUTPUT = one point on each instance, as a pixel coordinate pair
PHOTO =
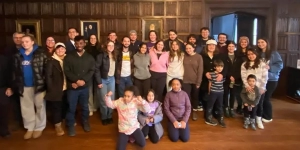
(252, 123)
(86, 126)
(221, 122)
(246, 122)
(28, 135)
(71, 131)
(259, 123)
(59, 130)
(208, 118)
(231, 113)
(226, 112)
(195, 116)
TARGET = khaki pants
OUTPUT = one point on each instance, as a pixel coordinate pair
(33, 109)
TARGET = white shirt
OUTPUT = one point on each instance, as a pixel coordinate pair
(73, 42)
(126, 67)
(175, 68)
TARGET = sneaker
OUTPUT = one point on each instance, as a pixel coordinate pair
(146, 137)
(266, 120)
(239, 110)
(252, 123)
(195, 109)
(209, 121)
(231, 113)
(37, 134)
(59, 130)
(246, 123)
(86, 126)
(91, 113)
(194, 115)
(110, 121)
(71, 131)
(259, 123)
(221, 122)
(28, 135)
(226, 112)
(199, 108)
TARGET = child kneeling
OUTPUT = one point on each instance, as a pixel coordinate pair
(250, 99)
(177, 107)
(128, 107)
(150, 122)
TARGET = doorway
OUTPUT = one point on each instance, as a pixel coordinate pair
(239, 24)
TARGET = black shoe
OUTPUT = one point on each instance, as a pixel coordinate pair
(6, 136)
(71, 131)
(226, 112)
(110, 121)
(231, 113)
(239, 110)
(221, 122)
(252, 124)
(86, 126)
(246, 122)
(209, 121)
(104, 122)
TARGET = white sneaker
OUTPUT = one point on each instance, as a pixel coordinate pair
(199, 108)
(91, 113)
(146, 137)
(259, 123)
(266, 121)
(195, 109)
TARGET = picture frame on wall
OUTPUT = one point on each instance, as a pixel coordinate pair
(151, 24)
(32, 27)
(88, 27)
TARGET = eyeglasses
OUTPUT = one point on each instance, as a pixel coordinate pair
(50, 40)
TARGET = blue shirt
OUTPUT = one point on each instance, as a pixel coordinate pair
(27, 67)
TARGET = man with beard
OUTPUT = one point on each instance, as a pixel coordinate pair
(222, 40)
(134, 43)
(79, 69)
(173, 37)
(124, 66)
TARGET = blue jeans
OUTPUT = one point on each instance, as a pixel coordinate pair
(75, 96)
(108, 85)
(214, 103)
(124, 82)
(179, 133)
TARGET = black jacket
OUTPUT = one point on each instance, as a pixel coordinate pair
(78, 68)
(102, 67)
(202, 43)
(39, 62)
(70, 47)
(135, 47)
(167, 44)
(233, 68)
(5, 72)
(208, 66)
(119, 65)
(54, 80)
(93, 50)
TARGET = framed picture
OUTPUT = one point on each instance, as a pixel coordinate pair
(30, 27)
(151, 24)
(88, 27)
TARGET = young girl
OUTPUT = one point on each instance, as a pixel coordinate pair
(128, 107)
(177, 107)
(150, 122)
(250, 99)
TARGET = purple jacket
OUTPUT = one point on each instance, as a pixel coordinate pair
(177, 106)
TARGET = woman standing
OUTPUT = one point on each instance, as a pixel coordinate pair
(159, 61)
(105, 78)
(152, 39)
(56, 86)
(274, 66)
(255, 66)
(141, 72)
(175, 67)
(93, 47)
(192, 77)
(192, 38)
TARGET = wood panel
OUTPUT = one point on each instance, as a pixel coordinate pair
(33, 9)
(108, 9)
(9, 9)
(1, 9)
(171, 8)
(21, 8)
(59, 8)
(293, 42)
(184, 8)
(96, 8)
(134, 9)
(46, 8)
(183, 25)
(282, 25)
(84, 8)
(121, 9)
(159, 8)
(10, 25)
(146, 8)
(58, 25)
(47, 25)
(71, 9)
(196, 8)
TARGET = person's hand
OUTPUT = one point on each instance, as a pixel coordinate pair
(8, 92)
(110, 93)
(183, 124)
(246, 104)
(262, 91)
(268, 67)
(232, 78)
(147, 120)
(197, 86)
(80, 83)
(139, 99)
(74, 86)
(252, 106)
(151, 120)
(219, 77)
(175, 124)
(100, 86)
(208, 76)
(249, 89)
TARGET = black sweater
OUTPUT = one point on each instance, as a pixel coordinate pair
(5, 75)
(78, 68)
(233, 68)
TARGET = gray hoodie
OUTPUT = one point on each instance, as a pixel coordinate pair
(251, 98)
(141, 66)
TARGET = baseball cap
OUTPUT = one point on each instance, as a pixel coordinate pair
(60, 44)
(211, 42)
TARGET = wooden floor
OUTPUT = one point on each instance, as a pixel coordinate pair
(282, 134)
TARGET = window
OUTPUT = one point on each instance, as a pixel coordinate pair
(254, 31)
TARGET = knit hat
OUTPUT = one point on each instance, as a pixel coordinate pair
(211, 42)
(59, 44)
(132, 31)
(244, 38)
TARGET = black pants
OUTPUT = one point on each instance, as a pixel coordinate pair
(58, 109)
(192, 92)
(16, 109)
(251, 114)
(228, 91)
(237, 91)
(123, 139)
(143, 86)
(267, 105)
(259, 111)
(158, 83)
(215, 99)
(203, 98)
(151, 132)
(4, 112)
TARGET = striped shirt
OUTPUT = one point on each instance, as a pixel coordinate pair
(216, 86)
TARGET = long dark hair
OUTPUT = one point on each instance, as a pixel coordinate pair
(230, 42)
(174, 53)
(114, 52)
(140, 47)
(256, 61)
(268, 49)
(153, 32)
(97, 44)
(155, 46)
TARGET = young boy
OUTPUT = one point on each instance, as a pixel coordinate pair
(215, 92)
(250, 100)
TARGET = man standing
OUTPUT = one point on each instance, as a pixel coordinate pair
(203, 37)
(173, 37)
(222, 46)
(134, 43)
(70, 44)
(79, 68)
(5, 93)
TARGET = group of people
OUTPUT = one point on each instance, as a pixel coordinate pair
(170, 77)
